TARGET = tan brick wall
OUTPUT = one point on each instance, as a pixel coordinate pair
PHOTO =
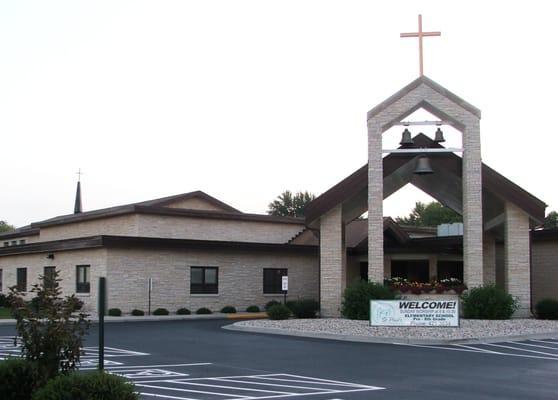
(213, 229)
(489, 263)
(125, 225)
(333, 262)
(517, 259)
(194, 204)
(65, 262)
(240, 278)
(545, 270)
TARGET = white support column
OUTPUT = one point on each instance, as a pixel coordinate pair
(333, 262)
(472, 207)
(517, 260)
(375, 204)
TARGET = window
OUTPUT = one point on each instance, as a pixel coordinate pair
(22, 241)
(14, 242)
(0, 280)
(22, 279)
(204, 280)
(6, 244)
(48, 277)
(412, 270)
(82, 279)
(272, 280)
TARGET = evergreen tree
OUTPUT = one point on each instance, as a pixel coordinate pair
(431, 214)
(289, 205)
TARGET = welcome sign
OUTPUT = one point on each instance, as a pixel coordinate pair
(414, 313)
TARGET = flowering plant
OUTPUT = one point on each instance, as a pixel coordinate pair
(444, 285)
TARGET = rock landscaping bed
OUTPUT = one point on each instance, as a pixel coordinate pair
(361, 331)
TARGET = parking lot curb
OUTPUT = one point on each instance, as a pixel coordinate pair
(388, 340)
(152, 318)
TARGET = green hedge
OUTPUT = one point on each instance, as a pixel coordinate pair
(204, 310)
(278, 311)
(253, 309)
(161, 311)
(357, 296)
(115, 312)
(87, 386)
(137, 313)
(228, 310)
(183, 311)
(547, 309)
(271, 304)
(18, 379)
(305, 308)
(488, 302)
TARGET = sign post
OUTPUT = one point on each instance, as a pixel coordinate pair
(101, 307)
(414, 313)
(285, 287)
(149, 289)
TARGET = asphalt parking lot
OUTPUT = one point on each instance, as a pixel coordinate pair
(197, 360)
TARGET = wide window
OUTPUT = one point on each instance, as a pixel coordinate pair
(272, 280)
(21, 283)
(48, 277)
(82, 279)
(204, 280)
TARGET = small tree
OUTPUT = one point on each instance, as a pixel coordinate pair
(551, 220)
(5, 227)
(51, 327)
(287, 205)
(431, 214)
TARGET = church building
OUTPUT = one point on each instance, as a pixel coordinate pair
(201, 252)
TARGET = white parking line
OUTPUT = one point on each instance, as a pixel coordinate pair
(229, 387)
(115, 368)
(265, 383)
(536, 345)
(520, 349)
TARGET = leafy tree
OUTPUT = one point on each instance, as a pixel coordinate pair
(551, 220)
(51, 327)
(5, 227)
(431, 214)
(287, 205)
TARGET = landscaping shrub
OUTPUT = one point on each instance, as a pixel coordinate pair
(115, 312)
(488, 302)
(183, 311)
(3, 300)
(137, 313)
(547, 309)
(161, 311)
(278, 311)
(204, 310)
(87, 386)
(253, 309)
(356, 298)
(228, 310)
(305, 308)
(271, 304)
(18, 379)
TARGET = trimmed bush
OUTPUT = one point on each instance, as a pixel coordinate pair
(137, 313)
(18, 379)
(305, 308)
(488, 302)
(161, 311)
(271, 304)
(115, 312)
(183, 311)
(356, 298)
(228, 310)
(278, 311)
(253, 309)
(4, 301)
(87, 386)
(204, 310)
(547, 309)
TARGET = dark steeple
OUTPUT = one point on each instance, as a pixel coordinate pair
(77, 205)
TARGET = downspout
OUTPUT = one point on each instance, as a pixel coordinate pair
(531, 270)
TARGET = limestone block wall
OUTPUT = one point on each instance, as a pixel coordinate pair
(489, 263)
(65, 262)
(215, 229)
(194, 203)
(125, 225)
(240, 277)
(545, 270)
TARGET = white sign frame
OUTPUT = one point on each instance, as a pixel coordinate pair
(285, 283)
(421, 313)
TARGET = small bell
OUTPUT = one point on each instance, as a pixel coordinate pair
(406, 138)
(439, 138)
(423, 166)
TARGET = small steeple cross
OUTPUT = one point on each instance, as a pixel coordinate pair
(420, 34)
(79, 174)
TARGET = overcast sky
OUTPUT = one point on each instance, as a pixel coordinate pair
(244, 99)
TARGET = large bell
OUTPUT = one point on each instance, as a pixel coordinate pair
(423, 166)
(406, 138)
(439, 138)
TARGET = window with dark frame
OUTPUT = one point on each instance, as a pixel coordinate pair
(204, 280)
(21, 283)
(48, 277)
(272, 278)
(83, 284)
(1, 286)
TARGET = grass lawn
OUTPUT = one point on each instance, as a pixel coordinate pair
(5, 313)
